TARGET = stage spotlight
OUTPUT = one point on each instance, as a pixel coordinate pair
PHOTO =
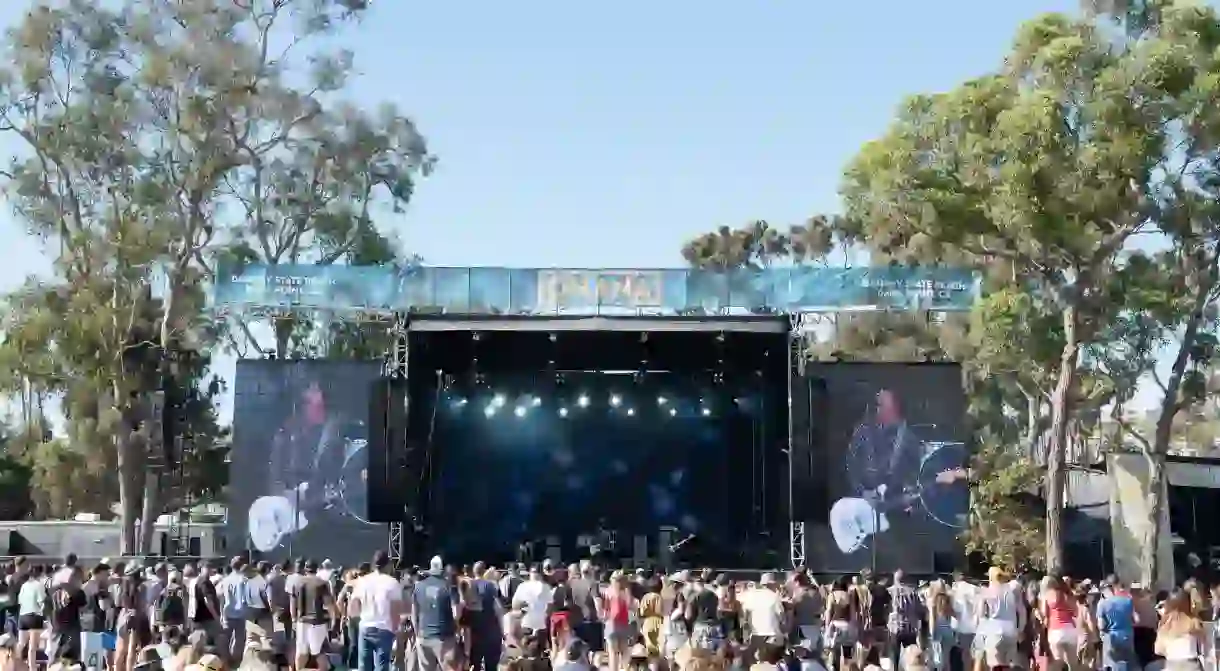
(563, 412)
(519, 411)
(631, 412)
(459, 403)
(490, 410)
(706, 412)
(661, 400)
(536, 401)
(615, 400)
(583, 401)
(673, 412)
(498, 400)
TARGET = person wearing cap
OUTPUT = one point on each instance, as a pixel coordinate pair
(435, 612)
(312, 609)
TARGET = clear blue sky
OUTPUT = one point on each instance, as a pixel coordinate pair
(606, 135)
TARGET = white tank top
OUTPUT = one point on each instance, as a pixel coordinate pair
(1181, 649)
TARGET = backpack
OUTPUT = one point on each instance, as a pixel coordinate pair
(170, 607)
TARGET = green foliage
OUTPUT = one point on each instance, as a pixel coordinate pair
(15, 480)
(1006, 521)
(155, 138)
(1042, 175)
(759, 244)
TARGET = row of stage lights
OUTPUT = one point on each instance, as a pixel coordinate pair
(526, 404)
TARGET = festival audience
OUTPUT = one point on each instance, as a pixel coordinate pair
(374, 618)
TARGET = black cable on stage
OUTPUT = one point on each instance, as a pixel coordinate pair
(426, 471)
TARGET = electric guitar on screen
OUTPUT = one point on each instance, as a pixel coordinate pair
(271, 519)
(854, 520)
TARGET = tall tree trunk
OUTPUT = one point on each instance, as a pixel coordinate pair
(1150, 555)
(1061, 411)
(128, 494)
(129, 468)
(283, 336)
(149, 512)
(1170, 406)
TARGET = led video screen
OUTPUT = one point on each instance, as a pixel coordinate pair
(521, 461)
(897, 458)
(298, 477)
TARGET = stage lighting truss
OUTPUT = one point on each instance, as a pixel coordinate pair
(710, 402)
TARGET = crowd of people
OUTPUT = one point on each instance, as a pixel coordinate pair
(305, 615)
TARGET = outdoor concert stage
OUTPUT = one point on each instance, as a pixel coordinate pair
(671, 440)
(630, 434)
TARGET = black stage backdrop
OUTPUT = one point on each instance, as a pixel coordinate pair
(896, 456)
(667, 453)
(300, 456)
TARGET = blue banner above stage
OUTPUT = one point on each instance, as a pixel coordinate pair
(492, 291)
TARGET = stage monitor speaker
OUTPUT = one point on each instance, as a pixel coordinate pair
(807, 442)
(389, 474)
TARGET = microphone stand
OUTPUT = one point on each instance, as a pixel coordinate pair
(872, 547)
(678, 546)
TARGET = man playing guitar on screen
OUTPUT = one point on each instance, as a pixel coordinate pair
(885, 460)
(307, 470)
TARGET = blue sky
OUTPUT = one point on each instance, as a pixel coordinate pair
(579, 135)
(608, 136)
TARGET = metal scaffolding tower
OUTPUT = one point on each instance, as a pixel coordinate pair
(397, 362)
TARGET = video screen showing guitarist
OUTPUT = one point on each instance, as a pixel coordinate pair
(905, 481)
(316, 471)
